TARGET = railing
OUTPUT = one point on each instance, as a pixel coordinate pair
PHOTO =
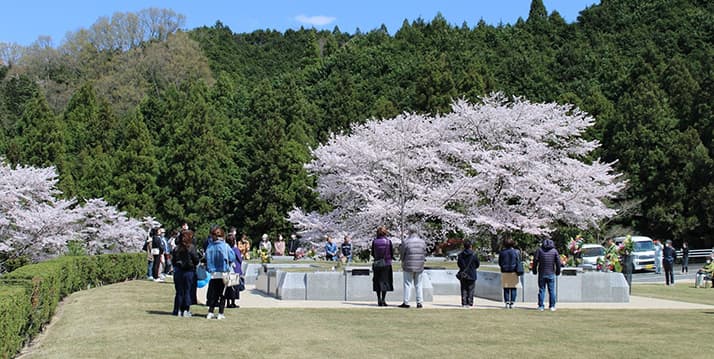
(696, 253)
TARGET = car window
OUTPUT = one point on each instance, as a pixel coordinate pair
(593, 251)
(643, 246)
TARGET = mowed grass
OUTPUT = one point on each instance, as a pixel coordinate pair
(132, 320)
(684, 292)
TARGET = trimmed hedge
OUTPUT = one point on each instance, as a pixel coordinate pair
(30, 294)
(14, 310)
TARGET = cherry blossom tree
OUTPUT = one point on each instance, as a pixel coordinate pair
(33, 222)
(104, 229)
(36, 224)
(503, 165)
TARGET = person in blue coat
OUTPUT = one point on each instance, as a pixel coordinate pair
(330, 250)
(219, 259)
(468, 263)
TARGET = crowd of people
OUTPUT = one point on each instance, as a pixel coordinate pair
(413, 251)
(223, 253)
(179, 256)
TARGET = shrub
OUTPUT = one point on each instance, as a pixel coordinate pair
(14, 311)
(30, 294)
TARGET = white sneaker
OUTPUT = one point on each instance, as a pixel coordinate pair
(221, 316)
(552, 309)
(210, 316)
(179, 314)
(187, 314)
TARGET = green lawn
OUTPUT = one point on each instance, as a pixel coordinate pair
(684, 292)
(132, 320)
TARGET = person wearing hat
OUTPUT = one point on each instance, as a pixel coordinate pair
(265, 244)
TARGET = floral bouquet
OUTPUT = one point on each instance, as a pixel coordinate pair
(608, 264)
(576, 244)
(575, 248)
(265, 257)
(626, 247)
(611, 263)
(530, 263)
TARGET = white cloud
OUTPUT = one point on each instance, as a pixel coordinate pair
(315, 20)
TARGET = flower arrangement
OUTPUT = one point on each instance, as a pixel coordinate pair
(609, 264)
(575, 248)
(265, 257)
(530, 263)
(576, 244)
(626, 247)
(563, 260)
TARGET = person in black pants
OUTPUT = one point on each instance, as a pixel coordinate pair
(685, 257)
(468, 263)
(668, 257)
(185, 259)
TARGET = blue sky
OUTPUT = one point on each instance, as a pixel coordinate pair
(24, 21)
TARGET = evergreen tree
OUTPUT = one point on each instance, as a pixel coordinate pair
(134, 181)
(199, 176)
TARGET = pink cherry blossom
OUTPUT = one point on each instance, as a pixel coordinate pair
(502, 165)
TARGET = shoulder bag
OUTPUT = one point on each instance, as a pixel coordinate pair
(381, 262)
(231, 279)
(461, 275)
(201, 273)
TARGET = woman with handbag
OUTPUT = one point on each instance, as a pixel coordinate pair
(468, 263)
(508, 261)
(184, 259)
(233, 293)
(219, 257)
(383, 253)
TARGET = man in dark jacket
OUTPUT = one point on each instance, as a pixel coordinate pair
(668, 257)
(546, 265)
(468, 263)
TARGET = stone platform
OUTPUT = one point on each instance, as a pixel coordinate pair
(355, 284)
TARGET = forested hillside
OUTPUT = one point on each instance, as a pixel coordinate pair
(209, 126)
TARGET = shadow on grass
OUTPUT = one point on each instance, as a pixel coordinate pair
(158, 312)
(357, 304)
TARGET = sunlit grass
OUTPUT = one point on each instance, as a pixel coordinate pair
(684, 292)
(132, 319)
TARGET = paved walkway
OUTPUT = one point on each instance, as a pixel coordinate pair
(252, 298)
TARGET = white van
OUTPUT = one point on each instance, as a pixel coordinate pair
(590, 254)
(642, 251)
